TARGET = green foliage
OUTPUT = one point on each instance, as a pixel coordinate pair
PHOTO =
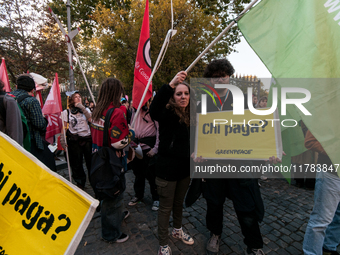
(82, 12)
(29, 40)
(196, 25)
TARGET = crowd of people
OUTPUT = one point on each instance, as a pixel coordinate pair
(158, 149)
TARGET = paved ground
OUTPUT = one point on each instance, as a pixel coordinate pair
(287, 213)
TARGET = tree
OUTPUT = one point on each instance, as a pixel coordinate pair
(119, 33)
(95, 67)
(82, 12)
(250, 81)
(29, 39)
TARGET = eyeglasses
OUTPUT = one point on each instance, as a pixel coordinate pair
(220, 79)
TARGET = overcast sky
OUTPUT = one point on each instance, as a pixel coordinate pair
(246, 62)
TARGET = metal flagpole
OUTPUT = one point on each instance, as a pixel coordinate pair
(220, 35)
(82, 71)
(66, 149)
(69, 47)
(69, 38)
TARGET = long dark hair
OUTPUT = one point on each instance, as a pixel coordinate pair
(188, 116)
(110, 92)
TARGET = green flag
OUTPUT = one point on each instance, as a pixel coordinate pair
(298, 41)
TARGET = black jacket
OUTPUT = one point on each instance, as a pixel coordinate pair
(173, 161)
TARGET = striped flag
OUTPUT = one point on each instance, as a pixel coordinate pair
(52, 110)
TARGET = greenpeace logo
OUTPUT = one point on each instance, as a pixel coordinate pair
(334, 6)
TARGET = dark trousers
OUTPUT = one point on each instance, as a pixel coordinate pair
(171, 198)
(142, 170)
(248, 220)
(45, 155)
(112, 217)
(76, 151)
(303, 172)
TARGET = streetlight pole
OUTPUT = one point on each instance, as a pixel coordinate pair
(69, 46)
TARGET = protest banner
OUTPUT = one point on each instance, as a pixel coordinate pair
(222, 135)
(40, 211)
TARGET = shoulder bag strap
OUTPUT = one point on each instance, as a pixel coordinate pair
(106, 127)
(22, 98)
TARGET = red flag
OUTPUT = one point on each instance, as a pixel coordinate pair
(4, 76)
(52, 109)
(143, 63)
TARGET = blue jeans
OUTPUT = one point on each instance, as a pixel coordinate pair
(112, 217)
(323, 229)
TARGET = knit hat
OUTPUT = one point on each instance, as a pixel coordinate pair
(25, 82)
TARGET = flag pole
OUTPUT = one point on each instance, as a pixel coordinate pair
(66, 149)
(220, 35)
(82, 71)
(168, 36)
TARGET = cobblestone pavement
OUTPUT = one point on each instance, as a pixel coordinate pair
(287, 213)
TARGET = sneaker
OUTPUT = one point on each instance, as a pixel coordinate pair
(213, 244)
(254, 252)
(123, 237)
(263, 177)
(155, 206)
(179, 234)
(126, 214)
(164, 250)
(329, 252)
(134, 201)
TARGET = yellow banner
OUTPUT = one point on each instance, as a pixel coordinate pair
(222, 135)
(40, 211)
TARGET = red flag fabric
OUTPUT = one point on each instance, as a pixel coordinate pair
(52, 109)
(143, 63)
(4, 76)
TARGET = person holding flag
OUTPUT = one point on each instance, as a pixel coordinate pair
(146, 128)
(78, 137)
(171, 108)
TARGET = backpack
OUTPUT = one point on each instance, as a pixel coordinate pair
(26, 131)
(107, 174)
